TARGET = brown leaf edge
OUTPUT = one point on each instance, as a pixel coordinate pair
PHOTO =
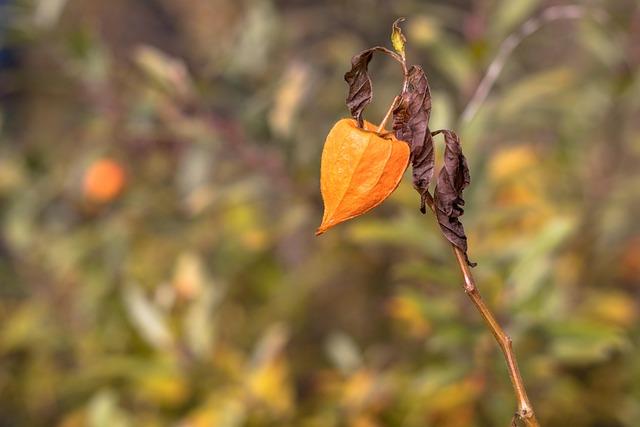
(360, 89)
(452, 180)
(411, 124)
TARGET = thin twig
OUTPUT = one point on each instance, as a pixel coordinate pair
(405, 72)
(525, 410)
(386, 116)
(530, 26)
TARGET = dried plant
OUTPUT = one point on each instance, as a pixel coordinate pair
(363, 164)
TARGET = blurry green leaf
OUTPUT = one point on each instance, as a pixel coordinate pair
(601, 43)
(586, 342)
(103, 411)
(47, 12)
(429, 382)
(26, 327)
(271, 344)
(289, 97)
(170, 73)
(535, 263)
(510, 14)
(442, 113)
(90, 59)
(255, 39)
(223, 409)
(423, 30)
(268, 379)
(344, 352)
(200, 323)
(160, 382)
(409, 230)
(147, 318)
(535, 88)
(424, 272)
(453, 61)
(189, 276)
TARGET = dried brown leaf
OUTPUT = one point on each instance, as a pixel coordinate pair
(360, 89)
(411, 124)
(452, 180)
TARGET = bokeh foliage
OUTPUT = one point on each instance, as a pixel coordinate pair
(200, 297)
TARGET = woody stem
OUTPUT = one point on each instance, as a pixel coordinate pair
(525, 410)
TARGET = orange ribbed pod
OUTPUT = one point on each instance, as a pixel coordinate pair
(359, 169)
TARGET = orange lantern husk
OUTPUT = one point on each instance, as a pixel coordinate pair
(359, 170)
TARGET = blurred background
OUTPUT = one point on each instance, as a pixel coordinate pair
(159, 167)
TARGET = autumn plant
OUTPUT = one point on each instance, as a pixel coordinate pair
(362, 164)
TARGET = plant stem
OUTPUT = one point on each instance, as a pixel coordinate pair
(525, 410)
(387, 115)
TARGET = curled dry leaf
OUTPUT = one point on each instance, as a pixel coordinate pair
(411, 124)
(360, 89)
(452, 180)
(359, 170)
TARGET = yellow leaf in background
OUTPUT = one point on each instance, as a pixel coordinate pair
(363, 420)
(453, 405)
(511, 161)
(76, 418)
(229, 360)
(254, 239)
(359, 389)
(268, 381)
(288, 99)
(423, 30)
(613, 308)
(630, 260)
(162, 387)
(269, 384)
(407, 312)
(225, 408)
(398, 39)
(517, 194)
(536, 89)
(189, 277)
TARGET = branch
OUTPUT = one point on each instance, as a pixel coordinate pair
(553, 13)
(525, 410)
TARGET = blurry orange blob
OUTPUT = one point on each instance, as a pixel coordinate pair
(359, 170)
(103, 181)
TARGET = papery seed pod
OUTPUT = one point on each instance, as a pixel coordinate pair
(359, 170)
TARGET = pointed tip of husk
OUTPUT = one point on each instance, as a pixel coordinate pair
(324, 227)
